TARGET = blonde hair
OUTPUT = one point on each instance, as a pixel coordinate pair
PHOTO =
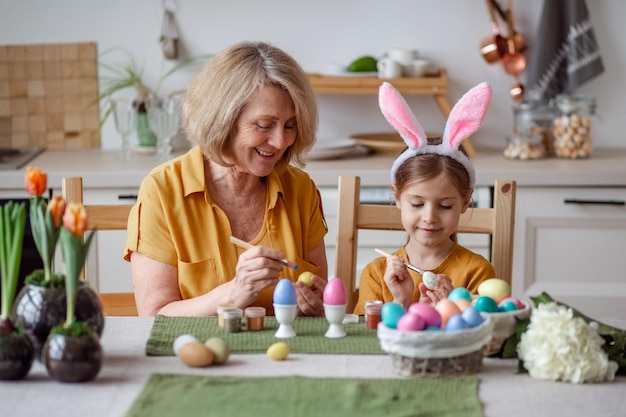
(215, 98)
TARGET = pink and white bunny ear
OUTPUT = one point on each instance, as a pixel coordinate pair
(399, 115)
(466, 116)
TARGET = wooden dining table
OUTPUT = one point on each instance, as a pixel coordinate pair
(502, 391)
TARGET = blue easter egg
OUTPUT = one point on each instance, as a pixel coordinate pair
(391, 313)
(507, 305)
(456, 323)
(460, 293)
(486, 304)
(284, 293)
(472, 317)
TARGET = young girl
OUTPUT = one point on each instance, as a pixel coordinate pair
(432, 185)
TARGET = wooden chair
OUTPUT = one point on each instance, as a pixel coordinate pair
(352, 216)
(103, 217)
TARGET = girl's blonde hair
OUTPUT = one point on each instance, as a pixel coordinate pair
(215, 98)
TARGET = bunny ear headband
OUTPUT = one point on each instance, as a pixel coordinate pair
(464, 119)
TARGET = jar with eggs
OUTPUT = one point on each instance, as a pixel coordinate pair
(532, 131)
(572, 127)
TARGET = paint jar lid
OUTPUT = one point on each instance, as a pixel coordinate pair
(254, 312)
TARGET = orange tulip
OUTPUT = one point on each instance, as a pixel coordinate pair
(75, 219)
(36, 181)
(56, 207)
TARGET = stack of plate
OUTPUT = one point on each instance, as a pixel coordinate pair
(331, 149)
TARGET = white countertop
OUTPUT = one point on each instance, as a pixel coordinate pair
(126, 368)
(102, 169)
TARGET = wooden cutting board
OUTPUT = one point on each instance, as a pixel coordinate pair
(49, 96)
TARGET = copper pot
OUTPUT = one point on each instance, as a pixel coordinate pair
(493, 47)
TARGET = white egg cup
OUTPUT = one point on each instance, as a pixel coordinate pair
(285, 316)
(334, 315)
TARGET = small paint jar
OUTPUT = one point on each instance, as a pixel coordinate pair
(220, 309)
(255, 318)
(373, 313)
(232, 320)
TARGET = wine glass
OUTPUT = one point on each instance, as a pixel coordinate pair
(163, 119)
(125, 115)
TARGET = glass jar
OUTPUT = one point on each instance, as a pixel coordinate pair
(572, 127)
(533, 118)
(525, 147)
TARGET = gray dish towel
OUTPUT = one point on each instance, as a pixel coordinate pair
(566, 54)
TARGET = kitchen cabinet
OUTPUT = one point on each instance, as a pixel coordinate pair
(570, 242)
(435, 85)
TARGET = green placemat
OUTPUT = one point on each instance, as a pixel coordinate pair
(189, 396)
(310, 336)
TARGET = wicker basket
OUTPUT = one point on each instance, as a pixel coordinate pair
(504, 325)
(428, 353)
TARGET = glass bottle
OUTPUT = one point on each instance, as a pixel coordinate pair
(572, 127)
(532, 118)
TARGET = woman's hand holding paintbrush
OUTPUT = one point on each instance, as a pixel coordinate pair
(246, 245)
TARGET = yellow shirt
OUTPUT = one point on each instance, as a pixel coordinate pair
(175, 221)
(464, 267)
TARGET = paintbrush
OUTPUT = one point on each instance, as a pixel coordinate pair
(408, 265)
(246, 245)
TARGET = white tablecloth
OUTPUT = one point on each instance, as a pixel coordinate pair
(502, 392)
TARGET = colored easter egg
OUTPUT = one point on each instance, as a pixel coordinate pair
(472, 317)
(460, 293)
(507, 305)
(430, 280)
(220, 349)
(279, 351)
(411, 322)
(462, 303)
(284, 293)
(427, 312)
(495, 288)
(334, 292)
(391, 313)
(456, 323)
(518, 303)
(306, 278)
(486, 304)
(446, 309)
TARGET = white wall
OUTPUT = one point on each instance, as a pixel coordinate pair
(323, 32)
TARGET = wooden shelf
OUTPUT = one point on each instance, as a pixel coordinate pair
(435, 85)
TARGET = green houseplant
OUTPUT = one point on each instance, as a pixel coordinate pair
(16, 350)
(127, 74)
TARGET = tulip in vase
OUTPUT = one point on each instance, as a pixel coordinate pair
(40, 305)
(72, 351)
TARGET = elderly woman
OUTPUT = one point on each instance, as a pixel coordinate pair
(251, 114)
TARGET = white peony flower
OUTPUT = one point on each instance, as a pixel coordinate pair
(558, 346)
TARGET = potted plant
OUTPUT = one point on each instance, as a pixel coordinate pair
(72, 351)
(116, 77)
(16, 349)
(40, 304)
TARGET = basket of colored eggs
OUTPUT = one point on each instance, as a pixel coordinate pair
(494, 298)
(426, 340)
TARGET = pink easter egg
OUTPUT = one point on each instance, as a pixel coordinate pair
(334, 292)
(411, 322)
(515, 301)
(427, 312)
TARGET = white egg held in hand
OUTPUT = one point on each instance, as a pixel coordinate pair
(430, 280)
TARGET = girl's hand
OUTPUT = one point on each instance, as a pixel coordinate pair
(399, 281)
(310, 301)
(442, 289)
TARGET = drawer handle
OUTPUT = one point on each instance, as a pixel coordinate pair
(127, 196)
(595, 202)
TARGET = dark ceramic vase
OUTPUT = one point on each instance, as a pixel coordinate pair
(16, 356)
(72, 358)
(38, 309)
